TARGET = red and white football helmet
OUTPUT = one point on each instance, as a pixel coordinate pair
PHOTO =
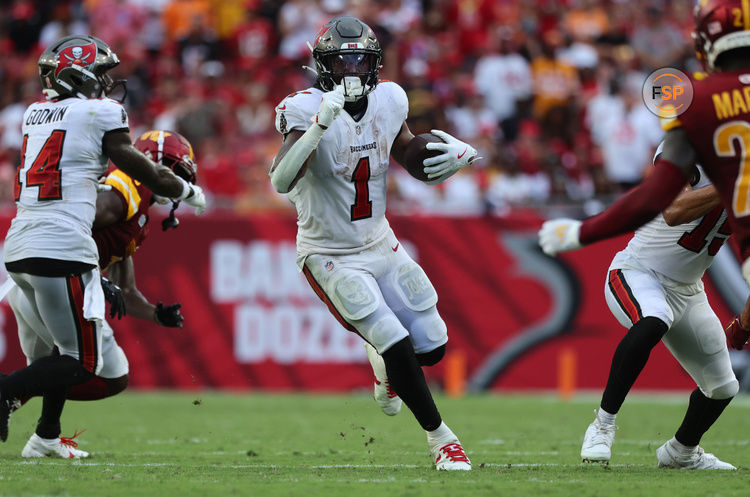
(169, 149)
(720, 25)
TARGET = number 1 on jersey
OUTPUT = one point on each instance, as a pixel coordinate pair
(362, 206)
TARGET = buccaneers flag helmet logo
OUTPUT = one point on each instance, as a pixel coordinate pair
(80, 56)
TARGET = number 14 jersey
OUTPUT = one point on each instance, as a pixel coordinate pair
(55, 190)
(340, 200)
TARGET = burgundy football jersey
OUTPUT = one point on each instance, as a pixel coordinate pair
(718, 126)
(120, 240)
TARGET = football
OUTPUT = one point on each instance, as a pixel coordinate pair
(416, 153)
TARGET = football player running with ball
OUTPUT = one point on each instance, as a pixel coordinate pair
(49, 251)
(715, 132)
(654, 288)
(338, 138)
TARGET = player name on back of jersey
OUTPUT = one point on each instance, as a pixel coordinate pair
(46, 116)
(731, 103)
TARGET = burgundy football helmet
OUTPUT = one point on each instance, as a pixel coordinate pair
(169, 149)
(720, 25)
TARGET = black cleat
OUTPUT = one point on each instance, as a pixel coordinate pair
(6, 407)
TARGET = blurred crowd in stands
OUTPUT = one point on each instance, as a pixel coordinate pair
(549, 91)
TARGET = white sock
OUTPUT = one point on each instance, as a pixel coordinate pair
(442, 434)
(605, 418)
(681, 449)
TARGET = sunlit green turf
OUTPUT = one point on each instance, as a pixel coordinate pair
(164, 444)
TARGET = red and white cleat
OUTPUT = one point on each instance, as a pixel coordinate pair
(64, 447)
(384, 395)
(451, 457)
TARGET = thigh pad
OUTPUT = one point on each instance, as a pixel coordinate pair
(413, 286)
(357, 296)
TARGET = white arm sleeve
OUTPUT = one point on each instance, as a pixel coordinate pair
(286, 169)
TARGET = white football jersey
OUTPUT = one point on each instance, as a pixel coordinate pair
(340, 200)
(56, 181)
(682, 253)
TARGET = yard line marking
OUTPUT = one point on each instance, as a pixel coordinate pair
(79, 463)
(740, 443)
(667, 398)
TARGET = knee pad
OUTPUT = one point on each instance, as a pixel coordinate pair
(724, 391)
(383, 332)
(414, 288)
(432, 357)
(428, 331)
(355, 295)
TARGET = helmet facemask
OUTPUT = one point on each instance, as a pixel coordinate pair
(357, 71)
(347, 53)
(108, 87)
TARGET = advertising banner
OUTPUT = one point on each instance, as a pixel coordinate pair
(515, 317)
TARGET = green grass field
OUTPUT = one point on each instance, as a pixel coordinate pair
(211, 444)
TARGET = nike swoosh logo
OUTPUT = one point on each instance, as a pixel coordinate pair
(282, 108)
(463, 153)
(396, 247)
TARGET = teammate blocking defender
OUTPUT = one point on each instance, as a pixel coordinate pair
(120, 227)
(49, 251)
(654, 288)
(333, 166)
(715, 132)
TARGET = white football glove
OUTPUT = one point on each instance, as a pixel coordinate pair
(101, 186)
(456, 155)
(559, 235)
(197, 199)
(330, 105)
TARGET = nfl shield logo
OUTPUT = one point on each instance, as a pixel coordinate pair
(329, 265)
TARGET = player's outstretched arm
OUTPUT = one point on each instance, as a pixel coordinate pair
(691, 205)
(291, 161)
(122, 273)
(157, 178)
(634, 209)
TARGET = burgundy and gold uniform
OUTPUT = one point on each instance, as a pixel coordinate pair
(120, 240)
(718, 127)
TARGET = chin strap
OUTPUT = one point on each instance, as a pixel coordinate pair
(171, 221)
